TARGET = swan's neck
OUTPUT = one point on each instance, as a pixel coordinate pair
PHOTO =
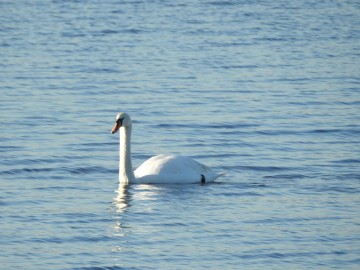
(126, 174)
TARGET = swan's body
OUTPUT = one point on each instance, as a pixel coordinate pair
(173, 169)
(160, 169)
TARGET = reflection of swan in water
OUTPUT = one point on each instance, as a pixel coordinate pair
(126, 194)
(160, 169)
(122, 199)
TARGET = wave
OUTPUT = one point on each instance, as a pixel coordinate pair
(70, 170)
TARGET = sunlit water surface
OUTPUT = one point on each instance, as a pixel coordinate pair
(267, 91)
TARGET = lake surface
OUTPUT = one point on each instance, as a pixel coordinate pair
(267, 91)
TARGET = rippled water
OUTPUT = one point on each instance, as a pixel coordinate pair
(265, 90)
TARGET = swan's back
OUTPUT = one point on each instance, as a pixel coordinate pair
(174, 169)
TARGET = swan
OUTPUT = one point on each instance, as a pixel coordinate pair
(160, 169)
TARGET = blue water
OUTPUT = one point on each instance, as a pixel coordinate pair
(268, 91)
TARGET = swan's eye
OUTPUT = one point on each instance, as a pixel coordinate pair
(119, 121)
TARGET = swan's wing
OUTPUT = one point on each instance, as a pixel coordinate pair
(173, 169)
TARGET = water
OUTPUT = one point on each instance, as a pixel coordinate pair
(265, 90)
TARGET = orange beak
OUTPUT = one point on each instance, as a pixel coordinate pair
(115, 128)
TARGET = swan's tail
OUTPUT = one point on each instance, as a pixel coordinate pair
(214, 176)
(220, 174)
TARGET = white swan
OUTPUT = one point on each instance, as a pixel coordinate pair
(160, 169)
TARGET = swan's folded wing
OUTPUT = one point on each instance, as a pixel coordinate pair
(173, 169)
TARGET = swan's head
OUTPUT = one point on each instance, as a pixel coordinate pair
(122, 120)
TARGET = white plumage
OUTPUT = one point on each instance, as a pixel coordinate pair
(160, 169)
